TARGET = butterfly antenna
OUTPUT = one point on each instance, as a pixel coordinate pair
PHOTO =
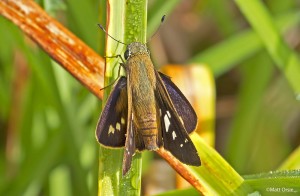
(102, 28)
(161, 21)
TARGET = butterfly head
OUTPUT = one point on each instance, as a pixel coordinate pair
(135, 48)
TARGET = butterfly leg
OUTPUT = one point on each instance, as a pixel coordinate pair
(119, 70)
(116, 56)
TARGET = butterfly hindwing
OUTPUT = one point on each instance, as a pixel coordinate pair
(175, 137)
(112, 125)
(182, 105)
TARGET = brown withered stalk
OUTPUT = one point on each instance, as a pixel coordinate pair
(73, 55)
(63, 46)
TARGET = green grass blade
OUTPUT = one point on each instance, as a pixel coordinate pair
(243, 133)
(221, 16)
(293, 161)
(220, 60)
(84, 26)
(189, 192)
(276, 183)
(45, 153)
(110, 160)
(127, 22)
(284, 57)
(216, 176)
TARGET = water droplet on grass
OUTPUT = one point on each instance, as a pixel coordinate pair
(298, 96)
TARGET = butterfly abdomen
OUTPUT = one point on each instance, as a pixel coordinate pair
(147, 131)
(141, 75)
(145, 121)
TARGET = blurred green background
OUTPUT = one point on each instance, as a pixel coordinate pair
(47, 119)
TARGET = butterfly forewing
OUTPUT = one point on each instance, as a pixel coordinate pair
(175, 138)
(129, 147)
(111, 128)
(182, 105)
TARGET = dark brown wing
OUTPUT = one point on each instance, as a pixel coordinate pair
(129, 147)
(175, 137)
(182, 105)
(111, 127)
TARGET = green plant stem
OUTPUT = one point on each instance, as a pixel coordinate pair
(127, 21)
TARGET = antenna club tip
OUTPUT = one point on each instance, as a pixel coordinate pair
(101, 27)
(163, 18)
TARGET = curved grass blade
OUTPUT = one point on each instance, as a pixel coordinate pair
(262, 22)
(276, 183)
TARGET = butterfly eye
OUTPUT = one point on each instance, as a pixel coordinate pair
(126, 54)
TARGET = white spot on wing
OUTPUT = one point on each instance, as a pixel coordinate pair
(168, 113)
(167, 123)
(122, 121)
(111, 130)
(174, 135)
(181, 145)
(118, 126)
(185, 141)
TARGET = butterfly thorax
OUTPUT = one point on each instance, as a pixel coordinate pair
(136, 48)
